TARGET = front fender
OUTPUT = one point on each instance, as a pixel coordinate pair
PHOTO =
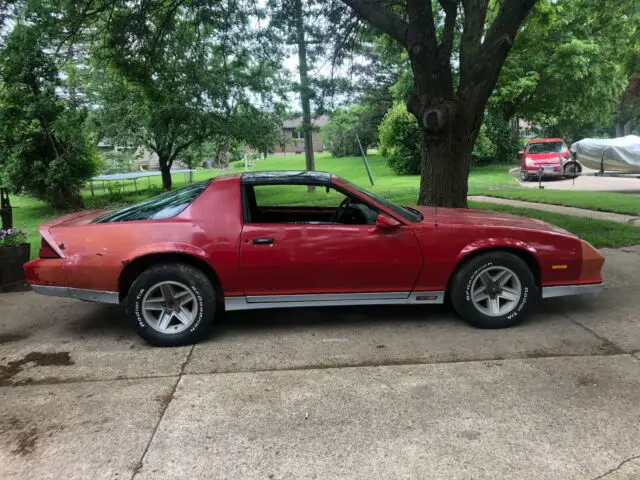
(495, 243)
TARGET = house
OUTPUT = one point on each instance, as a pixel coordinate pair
(294, 136)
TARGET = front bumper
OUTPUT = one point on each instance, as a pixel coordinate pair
(535, 172)
(566, 290)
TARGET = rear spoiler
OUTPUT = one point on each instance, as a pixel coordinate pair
(45, 228)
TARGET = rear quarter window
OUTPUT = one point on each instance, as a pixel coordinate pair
(162, 206)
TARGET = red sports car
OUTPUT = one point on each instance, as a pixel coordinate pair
(298, 239)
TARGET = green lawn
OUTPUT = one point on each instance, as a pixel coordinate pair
(489, 180)
(624, 203)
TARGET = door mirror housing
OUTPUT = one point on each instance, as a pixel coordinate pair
(520, 154)
(384, 222)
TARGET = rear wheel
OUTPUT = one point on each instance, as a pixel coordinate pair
(171, 304)
(572, 169)
(494, 290)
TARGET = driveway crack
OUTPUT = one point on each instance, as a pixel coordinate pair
(165, 406)
(613, 470)
(605, 341)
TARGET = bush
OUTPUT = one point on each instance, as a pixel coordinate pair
(237, 164)
(484, 151)
(340, 135)
(399, 135)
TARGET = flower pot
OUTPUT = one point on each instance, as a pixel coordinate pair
(11, 261)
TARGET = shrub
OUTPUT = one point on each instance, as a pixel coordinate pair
(484, 151)
(339, 135)
(399, 135)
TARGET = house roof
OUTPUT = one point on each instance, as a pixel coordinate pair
(296, 122)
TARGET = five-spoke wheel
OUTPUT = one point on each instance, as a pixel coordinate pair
(172, 304)
(493, 290)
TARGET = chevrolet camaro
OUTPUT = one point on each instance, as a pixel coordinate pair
(299, 239)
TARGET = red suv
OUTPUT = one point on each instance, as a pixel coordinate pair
(544, 156)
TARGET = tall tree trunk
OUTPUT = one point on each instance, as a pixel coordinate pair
(446, 160)
(165, 169)
(222, 156)
(305, 94)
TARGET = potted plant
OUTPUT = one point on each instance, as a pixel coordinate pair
(14, 252)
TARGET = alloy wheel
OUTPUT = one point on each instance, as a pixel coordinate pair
(170, 307)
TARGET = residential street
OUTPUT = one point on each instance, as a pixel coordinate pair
(357, 393)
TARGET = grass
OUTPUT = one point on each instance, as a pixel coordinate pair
(625, 203)
(492, 180)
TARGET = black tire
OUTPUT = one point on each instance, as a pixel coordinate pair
(195, 281)
(467, 274)
(523, 176)
(572, 169)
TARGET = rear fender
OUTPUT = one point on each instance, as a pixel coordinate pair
(159, 248)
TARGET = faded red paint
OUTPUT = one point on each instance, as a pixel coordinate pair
(307, 258)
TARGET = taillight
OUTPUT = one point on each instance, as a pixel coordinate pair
(46, 251)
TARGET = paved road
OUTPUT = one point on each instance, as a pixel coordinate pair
(364, 393)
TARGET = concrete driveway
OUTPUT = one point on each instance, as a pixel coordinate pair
(364, 393)
(590, 182)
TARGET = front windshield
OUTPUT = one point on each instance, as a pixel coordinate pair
(411, 215)
(547, 147)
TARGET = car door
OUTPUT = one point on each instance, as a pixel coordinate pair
(283, 258)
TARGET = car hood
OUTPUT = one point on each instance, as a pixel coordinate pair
(487, 218)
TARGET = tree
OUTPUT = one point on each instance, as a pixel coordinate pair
(169, 75)
(567, 69)
(449, 105)
(43, 149)
(346, 126)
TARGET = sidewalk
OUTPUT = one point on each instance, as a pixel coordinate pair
(578, 212)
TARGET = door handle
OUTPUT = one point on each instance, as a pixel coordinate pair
(263, 241)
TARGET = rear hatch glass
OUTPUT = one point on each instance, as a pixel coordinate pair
(166, 205)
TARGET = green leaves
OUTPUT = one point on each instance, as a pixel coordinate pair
(43, 149)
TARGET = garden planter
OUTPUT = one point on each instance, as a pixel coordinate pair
(11, 260)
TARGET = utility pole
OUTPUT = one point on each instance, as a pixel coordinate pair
(305, 94)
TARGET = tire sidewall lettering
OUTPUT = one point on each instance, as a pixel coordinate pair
(523, 299)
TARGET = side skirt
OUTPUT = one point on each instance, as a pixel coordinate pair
(333, 300)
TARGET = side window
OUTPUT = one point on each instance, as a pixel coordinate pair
(301, 204)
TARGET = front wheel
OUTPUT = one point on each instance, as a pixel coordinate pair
(494, 290)
(523, 176)
(171, 304)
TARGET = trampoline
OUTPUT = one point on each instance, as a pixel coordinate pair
(135, 176)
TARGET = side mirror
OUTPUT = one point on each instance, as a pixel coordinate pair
(384, 222)
(520, 154)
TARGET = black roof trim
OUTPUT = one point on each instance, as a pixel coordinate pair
(291, 177)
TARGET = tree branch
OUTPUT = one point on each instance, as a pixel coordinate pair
(382, 18)
(450, 8)
(504, 28)
(475, 13)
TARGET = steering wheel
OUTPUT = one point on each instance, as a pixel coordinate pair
(337, 215)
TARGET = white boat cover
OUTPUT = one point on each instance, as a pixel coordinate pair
(614, 154)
